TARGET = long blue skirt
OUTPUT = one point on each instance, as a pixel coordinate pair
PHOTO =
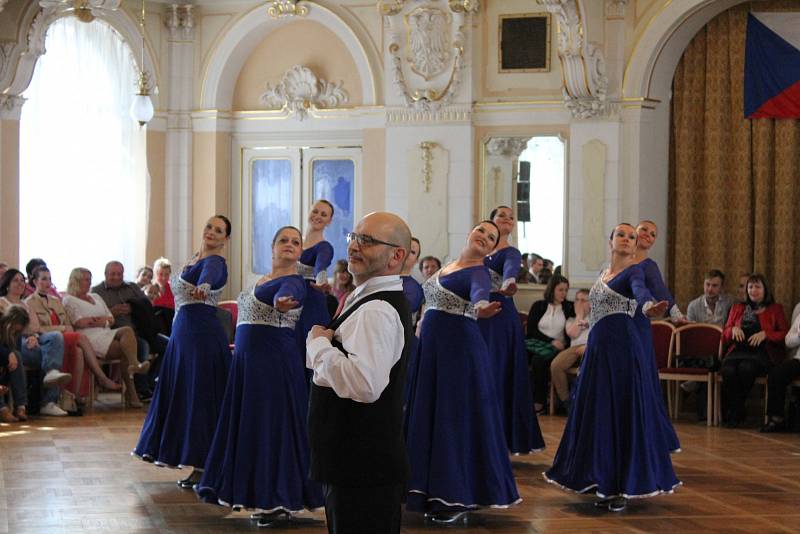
(183, 414)
(315, 311)
(456, 448)
(611, 443)
(259, 458)
(664, 426)
(503, 335)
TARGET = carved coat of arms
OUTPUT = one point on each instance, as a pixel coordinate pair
(428, 41)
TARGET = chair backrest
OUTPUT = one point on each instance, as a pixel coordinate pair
(663, 342)
(698, 340)
(233, 307)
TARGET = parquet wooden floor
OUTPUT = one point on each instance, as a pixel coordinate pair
(73, 475)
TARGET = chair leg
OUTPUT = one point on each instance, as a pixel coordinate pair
(670, 409)
(766, 400)
(709, 403)
(92, 385)
(677, 411)
(552, 397)
(717, 402)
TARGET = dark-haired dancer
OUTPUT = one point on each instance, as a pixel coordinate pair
(609, 445)
(456, 447)
(180, 423)
(259, 457)
(505, 340)
(312, 265)
(646, 234)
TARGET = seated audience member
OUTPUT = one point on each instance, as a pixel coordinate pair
(131, 307)
(546, 334)
(30, 287)
(577, 328)
(782, 375)
(522, 275)
(754, 336)
(547, 271)
(429, 265)
(714, 304)
(52, 317)
(12, 372)
(89, 315)
(535, 266)
(164, 304)
(39, 350)
(342, 283)
(144, 281)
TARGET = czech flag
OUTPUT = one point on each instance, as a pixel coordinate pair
(772, 66)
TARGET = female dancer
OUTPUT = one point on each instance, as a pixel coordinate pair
(455, 442)
(608, 444)
(503, 335)
(646, 233)
(415, 297)
(259, 456)
(183, 414)
(312, 265)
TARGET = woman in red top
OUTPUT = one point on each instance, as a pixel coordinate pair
(754, 336)
(164, 304)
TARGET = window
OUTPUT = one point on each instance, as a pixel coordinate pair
(82, 158)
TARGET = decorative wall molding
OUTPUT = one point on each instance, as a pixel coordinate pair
(300, 91)
(286, 8)
(616, 8)
(95, 7)
(461, 114)
(582, 62)
(179, 20)
(506, 146)
(427, 164)
(11, 107)
(426, 46)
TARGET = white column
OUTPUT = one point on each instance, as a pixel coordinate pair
(178, 187)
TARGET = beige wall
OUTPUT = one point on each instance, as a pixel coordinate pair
(211, 180)
(305, 43)
(156, 148)
(9, 192)
(374, 160)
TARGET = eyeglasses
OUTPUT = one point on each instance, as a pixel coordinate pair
(365, 240)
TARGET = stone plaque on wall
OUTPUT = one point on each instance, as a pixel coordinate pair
(524, 43)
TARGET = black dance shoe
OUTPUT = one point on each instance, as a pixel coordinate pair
(448, 518)
(272, 518)
(191, 480)
(617, 504)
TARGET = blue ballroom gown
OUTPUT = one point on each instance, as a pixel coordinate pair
(259, 458)
(454, 431)
(506, 342)
(313, 263)
(655, 284)
(415, 297)
(611, 443)
(180, 422)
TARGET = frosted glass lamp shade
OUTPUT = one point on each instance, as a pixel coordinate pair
(142, 109)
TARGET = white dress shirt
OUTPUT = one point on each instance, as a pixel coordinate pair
(793, 335)
(373, 339)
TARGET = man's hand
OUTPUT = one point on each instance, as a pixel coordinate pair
(12, 362)
(120, 309)
(320, 331)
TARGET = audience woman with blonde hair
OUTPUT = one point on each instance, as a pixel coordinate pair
(90, 316)
(183, 414)
(53, 317)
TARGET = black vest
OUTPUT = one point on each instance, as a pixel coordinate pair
(357, 444)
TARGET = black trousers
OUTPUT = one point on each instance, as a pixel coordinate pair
(540, 378)
(779, 378)
(738, 377)
(374, 510)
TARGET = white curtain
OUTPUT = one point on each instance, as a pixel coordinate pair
(83, 179)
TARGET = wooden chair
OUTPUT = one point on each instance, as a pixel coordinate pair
(664, 345)
(572, 371)
(760, 381)
(697, 340)
(108, 363)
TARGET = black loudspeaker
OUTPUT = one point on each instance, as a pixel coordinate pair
(524, 171)
(524, 192)
(523, 212)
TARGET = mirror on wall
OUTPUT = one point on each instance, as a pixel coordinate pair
(528, 173)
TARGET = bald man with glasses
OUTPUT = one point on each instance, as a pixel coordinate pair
(356, 405)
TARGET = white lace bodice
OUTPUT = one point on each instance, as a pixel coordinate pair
(605, 301)
(253, 311)
(437, 297)
(182, 290)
